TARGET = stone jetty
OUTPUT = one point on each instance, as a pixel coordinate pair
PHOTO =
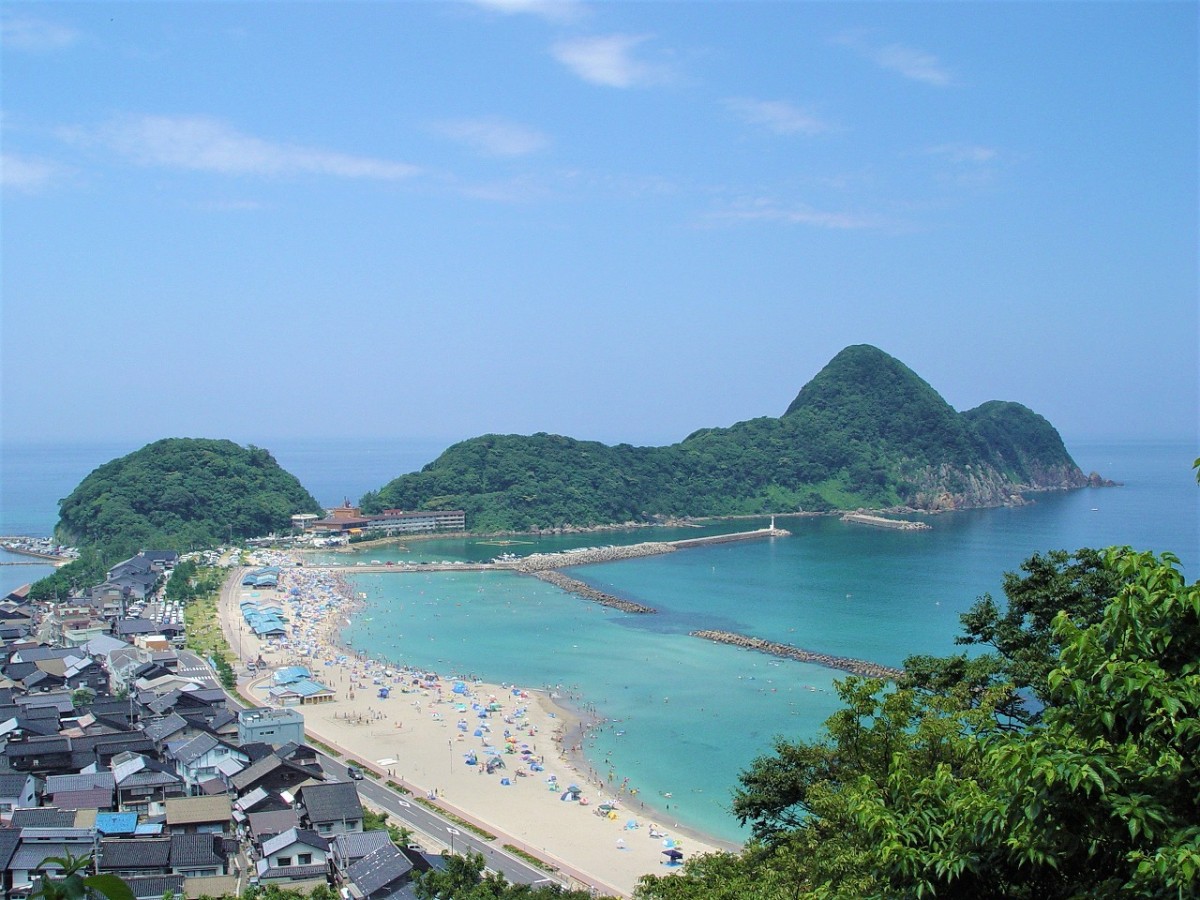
(881, 522)
(787, 651)
(579, 589)
(541, 562)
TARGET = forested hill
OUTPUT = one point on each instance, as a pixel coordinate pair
(865, 432)
(181, 493)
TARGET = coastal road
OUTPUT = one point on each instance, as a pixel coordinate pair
(422, 820)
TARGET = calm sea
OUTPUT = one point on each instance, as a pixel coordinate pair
(686, 716)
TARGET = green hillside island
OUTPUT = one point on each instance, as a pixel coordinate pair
(865, 432)
(181, 494)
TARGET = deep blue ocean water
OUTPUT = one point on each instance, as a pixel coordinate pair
(685, 715)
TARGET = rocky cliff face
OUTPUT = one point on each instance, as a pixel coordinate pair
(946, 487)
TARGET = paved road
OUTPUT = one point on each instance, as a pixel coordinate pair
(192, 666)
(425, 822)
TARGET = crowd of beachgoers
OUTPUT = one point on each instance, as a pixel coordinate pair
(507, 756)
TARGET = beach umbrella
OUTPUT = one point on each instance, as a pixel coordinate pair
(673, 855)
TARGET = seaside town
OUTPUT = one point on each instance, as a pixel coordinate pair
(296, 763)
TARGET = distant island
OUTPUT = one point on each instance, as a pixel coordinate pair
(866, 433)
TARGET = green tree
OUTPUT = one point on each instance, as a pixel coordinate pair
(915, 792)
(1019, 633)
(72, 882)
(465, 878)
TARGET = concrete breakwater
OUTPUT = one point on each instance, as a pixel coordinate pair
(541, 562)
(787, 651)
(708, 540)
(571, 586)
(881, 522)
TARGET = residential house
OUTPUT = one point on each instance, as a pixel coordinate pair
(201, 855)
(380, 875)
(95, 790)
(44, 817)
(196, 761)
(273, 774)
(40, 844)
(16, 791)
(199, 815)
(329, 809)
(135, 856)
(39, 755)
(10, 839)
(155, 887)
(143, 785)
(296, 856)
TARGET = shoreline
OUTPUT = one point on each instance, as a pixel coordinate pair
(401, 738)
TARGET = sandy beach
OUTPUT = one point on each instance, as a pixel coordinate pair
(436, 733)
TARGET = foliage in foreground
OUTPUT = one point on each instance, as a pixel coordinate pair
(929, 789)
(73, 883)
(464, 878)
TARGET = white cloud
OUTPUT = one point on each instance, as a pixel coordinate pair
(204, 144)
(608, 60)
(763, 210)
(553, 10)
(493, 137)
(27, 175)
(778, 116)
(910, 62)
(35, 35)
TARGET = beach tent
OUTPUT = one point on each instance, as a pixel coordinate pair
(674, 857)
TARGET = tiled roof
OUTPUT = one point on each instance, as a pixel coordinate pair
(197, 851)
(210, 886)
(357, 844)
(30, 856)
(84, 782)
(154, 853)
(195, 748)
(294, 836)
(264, 825)
(155, 887)
(164, 728)
(379, 868)
(96, 798)
(30, 834)
(289, 873)
(13, 785)
(44, 817)
(263, 767)
(191, 810)
(331, 802)
(9, 838)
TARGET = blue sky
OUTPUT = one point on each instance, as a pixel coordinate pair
(618, 221)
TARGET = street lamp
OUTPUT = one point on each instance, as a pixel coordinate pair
(452, 832)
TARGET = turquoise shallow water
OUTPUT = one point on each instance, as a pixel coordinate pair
(694, 714)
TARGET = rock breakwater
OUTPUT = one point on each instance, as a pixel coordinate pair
(846, 664)
(540, 562)
(881, 522)
(571, 586)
